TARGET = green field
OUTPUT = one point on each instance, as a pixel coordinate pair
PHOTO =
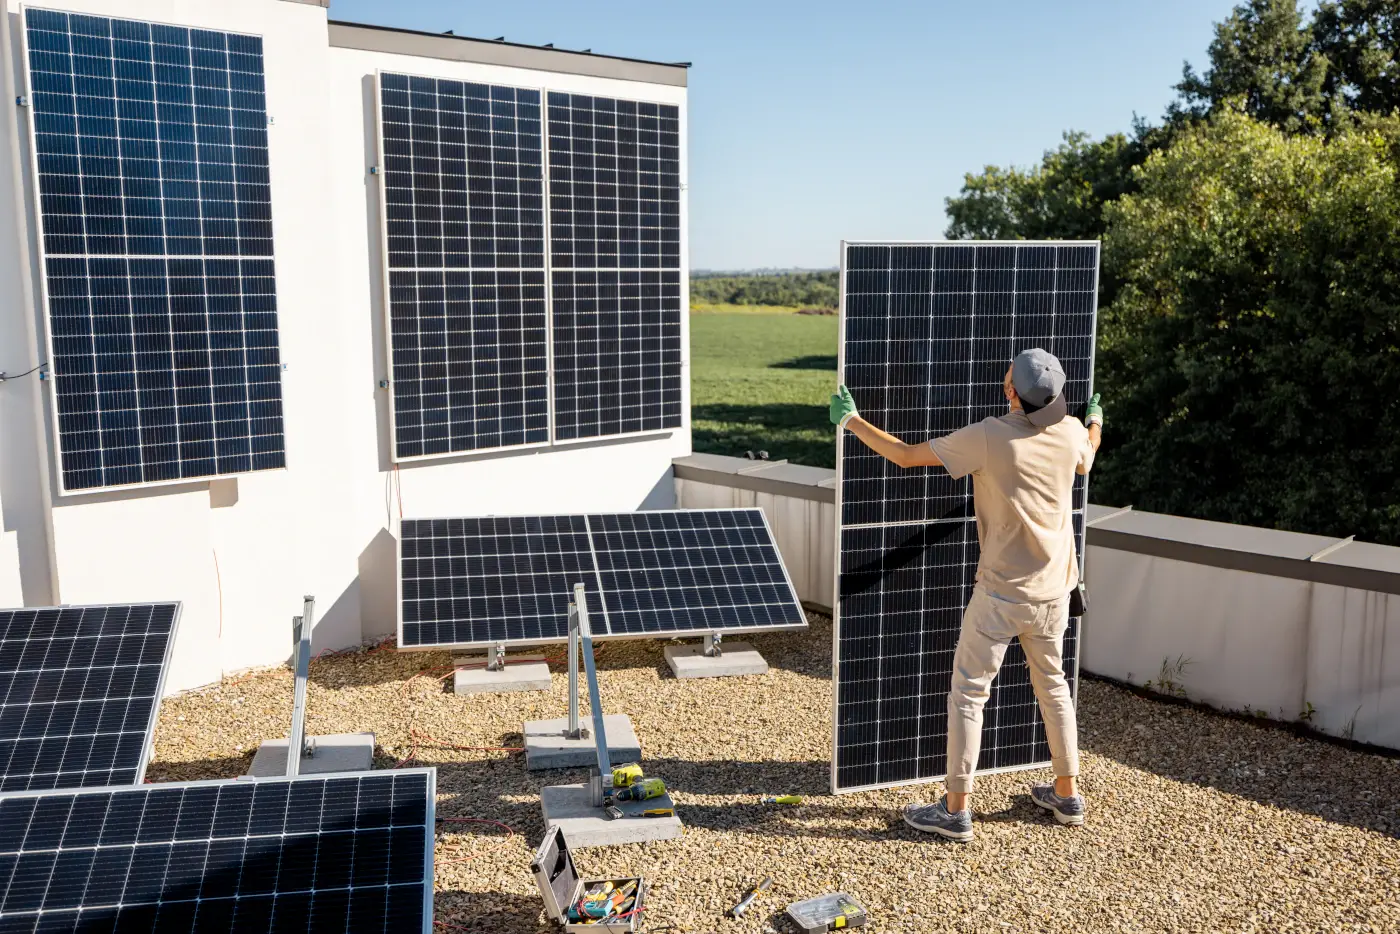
(761, 379)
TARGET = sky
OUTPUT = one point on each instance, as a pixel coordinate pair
(814, 121)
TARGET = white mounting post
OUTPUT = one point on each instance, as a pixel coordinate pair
(301, 641)
(574, 730)
(600, 734)
(496, 657)
(712, 645)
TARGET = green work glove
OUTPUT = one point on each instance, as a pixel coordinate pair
(843, 407)
(1094, 414)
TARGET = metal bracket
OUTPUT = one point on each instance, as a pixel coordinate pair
(713, 649)
(374, 170)
(595, 702)
(575, 730)
(496, 657)
(21, 101)
(301, 641)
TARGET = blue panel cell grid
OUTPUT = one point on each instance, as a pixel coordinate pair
(151, 152)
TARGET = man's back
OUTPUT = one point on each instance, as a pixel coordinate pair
(1023, 479)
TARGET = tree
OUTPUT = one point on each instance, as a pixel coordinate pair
(1250, 356)
(1263, 53)
(1060, 199)
(1361, 42)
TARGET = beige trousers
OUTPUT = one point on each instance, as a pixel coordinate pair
(989, 624)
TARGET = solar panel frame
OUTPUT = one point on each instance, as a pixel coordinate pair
(598, 594)
(387, 270)
(1073, 650)
(147, 747)
(176, 837)
(55, 415)
(661, 270)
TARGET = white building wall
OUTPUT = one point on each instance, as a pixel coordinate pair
(241, 553)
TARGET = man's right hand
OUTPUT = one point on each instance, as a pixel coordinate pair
(843, 407)
(1093, 415)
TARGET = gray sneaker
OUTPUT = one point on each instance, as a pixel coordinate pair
(934, 818)
(1066, 810)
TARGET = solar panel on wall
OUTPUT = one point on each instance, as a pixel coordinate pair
(151, 161)
(348, 852)
(482, 581)
(615, 245)
(463, 208)
(80, 687)
(928, 330)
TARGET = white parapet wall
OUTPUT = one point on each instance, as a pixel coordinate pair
(1288, 626)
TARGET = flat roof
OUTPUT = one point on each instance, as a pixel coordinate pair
(498, 52)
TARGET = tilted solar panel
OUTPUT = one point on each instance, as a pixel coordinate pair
(155, 225)
(928, 330)
(482, 581)
(615, 245)
(80, 688)
(348, 852)
(463, 208)
(678, 572)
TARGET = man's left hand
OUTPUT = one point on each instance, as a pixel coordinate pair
(843, 407)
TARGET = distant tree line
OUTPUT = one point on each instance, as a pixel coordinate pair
(814, 289)
(1249, 348)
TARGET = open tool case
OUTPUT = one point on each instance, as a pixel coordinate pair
(560, 886)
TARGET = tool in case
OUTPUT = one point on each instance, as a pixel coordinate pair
(832, 912)
(564, 892)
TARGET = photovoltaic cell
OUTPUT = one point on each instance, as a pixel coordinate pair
(463, 190)
(156, 229)
(683, 571)
(348, 852)
(614, 196)
(664, 573)
(489, 580)
(928, 331)
(79, 691)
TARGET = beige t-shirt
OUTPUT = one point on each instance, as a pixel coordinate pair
(1022, 481)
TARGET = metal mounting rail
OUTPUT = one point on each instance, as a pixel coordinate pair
(301, 641)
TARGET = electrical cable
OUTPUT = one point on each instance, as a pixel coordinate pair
(5, 377)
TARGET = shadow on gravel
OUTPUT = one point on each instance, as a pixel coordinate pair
(496, 912)
(200, 770)
(1264, 764)
(806, 652)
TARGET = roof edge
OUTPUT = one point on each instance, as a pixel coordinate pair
(366, 37)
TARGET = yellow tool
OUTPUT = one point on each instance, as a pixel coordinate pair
(658, 812)
(642, 790)
(625, 776)
(782, 799)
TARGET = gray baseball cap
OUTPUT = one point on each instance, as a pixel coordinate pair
(1040, 382)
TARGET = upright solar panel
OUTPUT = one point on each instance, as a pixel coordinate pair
(150, 154)
(80, 688)
(928, 330)
(349, 852)
(463, 209)
(615, 245)
(479, 582)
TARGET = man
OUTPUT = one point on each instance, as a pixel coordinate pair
(1022, 465)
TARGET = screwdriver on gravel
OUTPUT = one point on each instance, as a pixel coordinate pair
(738, 910)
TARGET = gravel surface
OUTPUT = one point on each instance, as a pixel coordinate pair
(1197, 822)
